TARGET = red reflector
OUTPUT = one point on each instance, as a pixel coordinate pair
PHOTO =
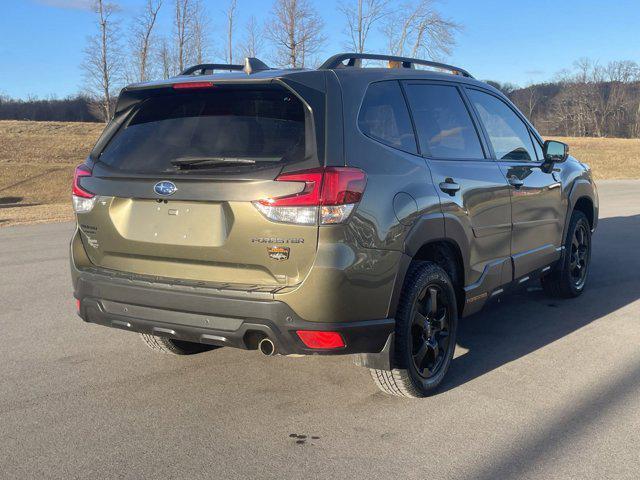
(77, 190)
(77, 304)
(323, 186)
(321, 340)
(186, 85)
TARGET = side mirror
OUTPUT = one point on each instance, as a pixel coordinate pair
(555, 152)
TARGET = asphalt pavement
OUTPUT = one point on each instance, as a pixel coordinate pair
(540, 388)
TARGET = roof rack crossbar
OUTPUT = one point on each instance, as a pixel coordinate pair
(202, 68)
(251, 65)
(355, 60)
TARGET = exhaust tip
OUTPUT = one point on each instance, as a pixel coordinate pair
(267, 347)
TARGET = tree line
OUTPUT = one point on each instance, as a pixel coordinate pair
(589, 100)
(292, 34)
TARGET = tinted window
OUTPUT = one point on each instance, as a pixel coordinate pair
(384, 116)
(445, 129)
(265, 125)
(508, 134)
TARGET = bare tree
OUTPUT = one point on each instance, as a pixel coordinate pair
(251, 42)
(165, 59)
(190, 33)
(418, 29)
(295, 30)
(230, 13)
(103, 66)
(623, 71)
(182, 31)
(361, 16)
(198, 49)
(142, 38)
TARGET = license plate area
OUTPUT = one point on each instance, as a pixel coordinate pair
(196, 224)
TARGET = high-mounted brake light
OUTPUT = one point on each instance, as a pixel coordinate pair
(333, 190)
(321, 340)
(188, 85)
(83, 200)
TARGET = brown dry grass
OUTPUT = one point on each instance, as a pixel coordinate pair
(609, 158)
(36, 168)
(37, 161)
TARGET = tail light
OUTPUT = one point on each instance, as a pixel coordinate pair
(330, 193)
(83, 200)
(321, 340)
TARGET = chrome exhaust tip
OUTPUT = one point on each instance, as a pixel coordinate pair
(267, 347)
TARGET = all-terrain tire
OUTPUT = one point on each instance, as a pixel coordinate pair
(174, 347)
(559, 282)
(404, 380)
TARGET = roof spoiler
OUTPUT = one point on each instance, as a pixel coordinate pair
(354, 60)
(251, 65)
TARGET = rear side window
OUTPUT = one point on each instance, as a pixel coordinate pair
(385, 118)
(508, 134)
(445, 129)
(264, 125)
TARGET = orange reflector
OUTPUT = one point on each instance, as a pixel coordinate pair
(321, 340)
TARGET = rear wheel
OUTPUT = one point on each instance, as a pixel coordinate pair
(570, 276)
(174, 347)
(425, 336)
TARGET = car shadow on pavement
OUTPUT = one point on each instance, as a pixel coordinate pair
(527, 320)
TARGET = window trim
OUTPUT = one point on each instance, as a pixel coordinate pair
(378, 140)
(516, 112)
(474, 121)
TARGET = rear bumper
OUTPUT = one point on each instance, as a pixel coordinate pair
(204, 315)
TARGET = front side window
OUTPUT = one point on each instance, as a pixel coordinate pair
(444, 127)
(508, 134)
(385, 118)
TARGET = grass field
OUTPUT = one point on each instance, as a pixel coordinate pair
(37, 161)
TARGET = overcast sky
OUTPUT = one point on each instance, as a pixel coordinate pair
(42, 41)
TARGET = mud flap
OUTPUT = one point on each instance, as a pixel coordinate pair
(383, 360)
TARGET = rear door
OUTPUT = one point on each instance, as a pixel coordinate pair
(179, 182)
(537, 206)
(473, 191)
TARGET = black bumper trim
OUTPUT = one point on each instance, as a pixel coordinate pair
(205, 318)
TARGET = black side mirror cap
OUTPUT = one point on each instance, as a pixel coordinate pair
(555, 152)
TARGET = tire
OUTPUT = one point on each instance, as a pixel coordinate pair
(412, 377)
(174, 347)
(564, 281)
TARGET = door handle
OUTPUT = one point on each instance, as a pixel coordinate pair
(516, 182)
(449, 186)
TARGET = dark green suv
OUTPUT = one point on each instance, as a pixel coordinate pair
(343, 210)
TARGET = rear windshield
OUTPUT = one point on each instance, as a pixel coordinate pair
(224, 125)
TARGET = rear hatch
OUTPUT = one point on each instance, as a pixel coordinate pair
(176, 186)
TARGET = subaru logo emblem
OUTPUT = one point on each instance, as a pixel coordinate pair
(165, 188)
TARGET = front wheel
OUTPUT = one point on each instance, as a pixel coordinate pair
(570, 276)
(425, 335)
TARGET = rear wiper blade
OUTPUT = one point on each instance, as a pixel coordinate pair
(183, 162)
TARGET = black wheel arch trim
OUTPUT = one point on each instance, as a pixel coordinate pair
(428, 229)
(581, 188)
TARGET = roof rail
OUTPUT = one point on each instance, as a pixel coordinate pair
(355, 61)
(251, 65)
